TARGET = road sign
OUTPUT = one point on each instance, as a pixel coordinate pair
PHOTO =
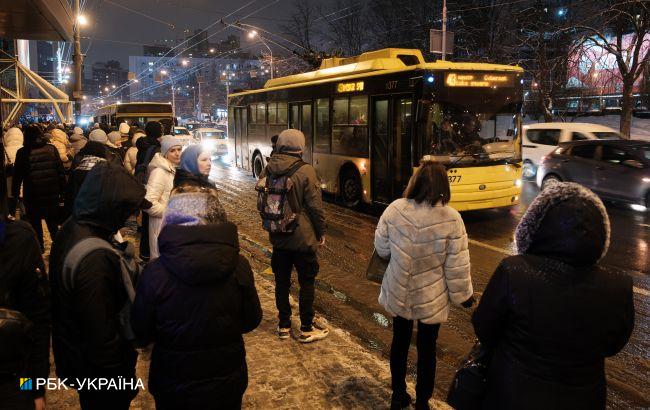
(435, 42)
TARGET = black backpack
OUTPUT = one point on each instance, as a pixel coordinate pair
(130, 271)
(273, 201)
(15, 337)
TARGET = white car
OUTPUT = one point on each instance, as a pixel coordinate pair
(540, 139)
(183, 135)
(213, 140)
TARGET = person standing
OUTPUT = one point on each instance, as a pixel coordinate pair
(98, 135)
(88, 339)
(195, 301)
(550, 315)
(114, 145)
(159, 186)
(299, 248)
(125, 141)
(195, 168)
(12, 141)
(89, 156)
(429, 269)
(24, 312)
(40, 171)
(147, 148)
(60, 140)
(77, 140)
(131, 155)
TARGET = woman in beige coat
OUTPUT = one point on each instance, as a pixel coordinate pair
(429, 268)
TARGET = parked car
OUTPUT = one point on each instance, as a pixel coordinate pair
(540, 139)
(213, 140)
(181, 131)
(616, 170)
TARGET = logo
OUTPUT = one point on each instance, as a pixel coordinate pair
(481, 187)
(26, 383)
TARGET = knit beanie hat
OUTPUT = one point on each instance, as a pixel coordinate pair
(114, 136)
(290, 141)
(190, 159)
(167, 142)
(124, 128)
(78, 131)
(194, 206)
(98, 135)
(153, 129)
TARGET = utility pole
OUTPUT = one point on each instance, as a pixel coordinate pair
(444, 29)
(78, 62)
(200, 105)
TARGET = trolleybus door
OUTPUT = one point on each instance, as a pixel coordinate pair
(300, 118)
(391, 164)
(241, 148)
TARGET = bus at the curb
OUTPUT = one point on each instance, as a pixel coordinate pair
(369, 121)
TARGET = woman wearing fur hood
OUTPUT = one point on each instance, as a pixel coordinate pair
(550, 315)
(130, 158)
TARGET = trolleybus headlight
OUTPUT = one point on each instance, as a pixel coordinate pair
(430, 79)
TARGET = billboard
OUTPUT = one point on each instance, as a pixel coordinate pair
(592, 67)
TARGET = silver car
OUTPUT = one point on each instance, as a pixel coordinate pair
(617, 170)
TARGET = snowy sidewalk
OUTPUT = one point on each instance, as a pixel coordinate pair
(334, 373)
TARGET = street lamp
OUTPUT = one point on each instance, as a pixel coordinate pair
(82, 20)
(185, 63)
(252, 34)
(171, 79)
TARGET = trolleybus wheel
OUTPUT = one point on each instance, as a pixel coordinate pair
(258, 165)
(350, 188)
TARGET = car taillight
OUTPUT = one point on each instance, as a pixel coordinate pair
(543, 160)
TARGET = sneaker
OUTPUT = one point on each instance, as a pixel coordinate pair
(317, 332)
(284, 332)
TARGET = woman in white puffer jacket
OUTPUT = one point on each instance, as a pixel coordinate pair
(130, 158)
(162, 169)
(429, 268)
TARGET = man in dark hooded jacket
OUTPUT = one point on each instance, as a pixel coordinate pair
(86, 336)
(550, 315)
(195, 301)
(299, 248)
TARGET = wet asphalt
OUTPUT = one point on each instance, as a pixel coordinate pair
(347, 298)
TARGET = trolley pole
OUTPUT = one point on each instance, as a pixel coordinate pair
(200, 105)
(78, 62)
(444, 29)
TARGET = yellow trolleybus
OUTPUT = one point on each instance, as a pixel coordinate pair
(370, 119)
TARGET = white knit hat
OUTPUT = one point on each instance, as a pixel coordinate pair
(78, 130)
(124, 128)
(114, 137)
(167, 142)
(98, 135)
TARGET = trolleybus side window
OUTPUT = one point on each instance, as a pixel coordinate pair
(252, 113)
(261, 114)
(322, 138)
(277, 113)
(350, 126)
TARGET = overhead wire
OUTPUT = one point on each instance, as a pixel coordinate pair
(154, 65)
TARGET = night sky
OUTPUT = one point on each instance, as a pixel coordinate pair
(110, 22)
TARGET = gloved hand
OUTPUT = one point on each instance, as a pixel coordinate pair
(469, 302)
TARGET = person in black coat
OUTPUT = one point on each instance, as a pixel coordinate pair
(147, 147)
(195, 301)
(40, 171)
(551, 315)
(86, 336)
(23, 288)
(90, 155)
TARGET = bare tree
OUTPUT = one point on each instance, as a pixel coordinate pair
(346, 27)
(622, 29)
(301, 27)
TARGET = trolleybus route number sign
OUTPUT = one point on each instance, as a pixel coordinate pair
(349, 87)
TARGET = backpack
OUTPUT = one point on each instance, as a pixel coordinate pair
(273, 201)
(140, 172)
(130, 271)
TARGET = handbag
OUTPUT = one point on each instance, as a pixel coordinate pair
(469, 384)
(376, 268)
